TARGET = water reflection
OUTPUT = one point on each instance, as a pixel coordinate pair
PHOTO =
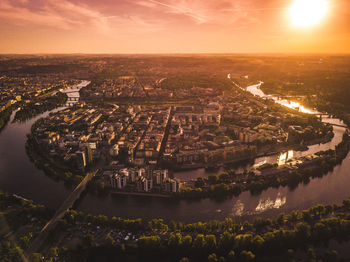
(238, 208)
(279, 158)
(330, 189)
(295, 106)
(73, 92)
(285, 157)
(266, 204)
(326, 190)
(256, 91)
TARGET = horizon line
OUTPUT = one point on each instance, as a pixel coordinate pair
(181, 53)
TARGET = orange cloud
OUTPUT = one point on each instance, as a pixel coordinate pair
(61, 14)
(164, 26)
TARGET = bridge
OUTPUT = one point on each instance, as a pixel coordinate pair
(333, 124)
(67, 204)
(344, 126)
(320, 114)
(70, 91)
(285, 97)
(73, 98)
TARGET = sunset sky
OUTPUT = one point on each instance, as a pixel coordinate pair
(167, 26)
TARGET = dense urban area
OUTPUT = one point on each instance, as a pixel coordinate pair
(125, 125)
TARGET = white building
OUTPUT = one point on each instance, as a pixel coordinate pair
(147, 184)
(121, 181)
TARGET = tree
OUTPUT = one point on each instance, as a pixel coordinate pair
(100, 186)
(199, 242)
(76, 179)
(318, 210)
(219, 189)
(311, 255)
(88, 239)
(231, 256)
(212, 179)
(303, 231)
(306, 216)
(199, 182)
(213, 258)
(157, 225)
(258, 242)
(71, 216)
(246, 256)
(224, 177)
(280, 219)
(290, 255)
(331, 256)
(149, 243)
(37, 257)
(346, 203)
(259, 223)
(67, 176)
(25, 240)
(184, 259)
(321, 231)
(54, 251)
(109, 240)
(172, 225)
(101, 220)
(227, 240)
(175, 240)
(187, 242)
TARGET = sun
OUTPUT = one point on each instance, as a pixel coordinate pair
(307, 13)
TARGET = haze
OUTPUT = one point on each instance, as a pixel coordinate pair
(167, 26)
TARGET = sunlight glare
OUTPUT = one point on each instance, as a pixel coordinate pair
(307, 13)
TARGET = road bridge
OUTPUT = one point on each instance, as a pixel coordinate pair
(320, 114)
(67, 204)
(70, 91)
(285, 96)
(328, 115)
(339, 125)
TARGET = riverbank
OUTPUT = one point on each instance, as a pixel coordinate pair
(140, 194)
(226, 185)
(331, 188)
(79, 235)
(295, 146)
(211, 166)
(35, 152)
(50, 167)
(5, 117)
(217, 186)
(38, 106)
(288, 236)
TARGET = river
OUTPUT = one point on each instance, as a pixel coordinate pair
(279, 158)
(19, 175)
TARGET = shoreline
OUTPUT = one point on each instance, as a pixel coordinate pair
(141, 194)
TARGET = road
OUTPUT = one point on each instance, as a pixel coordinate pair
(166, 135)
(67, 204)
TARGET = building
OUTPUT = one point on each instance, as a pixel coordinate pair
(114, 151)
(121, 181)
(89, 154)
(113, 181)
(147, 184)
(248, 136)
(133, 176)
(160, 176)
(171, 185)
(81, 159)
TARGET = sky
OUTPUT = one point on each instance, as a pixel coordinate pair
(168, 26)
